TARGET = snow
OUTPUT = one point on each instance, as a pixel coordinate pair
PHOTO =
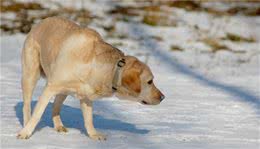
(212, 100)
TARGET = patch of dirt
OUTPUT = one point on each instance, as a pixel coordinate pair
(214, 45)
(176, 48)
(158, 19)
(157, 38)
(237, 38)
(126, 10)
(152, 12)
(156, 6)
(13, 6)
(233, 10)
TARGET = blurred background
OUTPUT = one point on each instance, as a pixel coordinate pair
(214, 33)
(205, 56)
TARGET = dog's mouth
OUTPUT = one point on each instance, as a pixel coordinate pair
(144, 102)
(149, 103)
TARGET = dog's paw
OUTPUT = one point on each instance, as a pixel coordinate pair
(98, 136)
(61, 129)
(23, 135)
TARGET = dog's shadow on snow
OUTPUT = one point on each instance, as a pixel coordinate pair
(72, 118)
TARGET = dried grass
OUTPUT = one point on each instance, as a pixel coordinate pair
(237, 38)
(214, 44)
(176, 48)
(24, 19)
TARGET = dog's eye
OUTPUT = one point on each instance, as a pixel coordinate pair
(150, 82)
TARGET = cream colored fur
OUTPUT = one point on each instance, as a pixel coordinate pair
(76, 61)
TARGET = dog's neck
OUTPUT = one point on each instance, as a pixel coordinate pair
(118, 73)
(109, 76)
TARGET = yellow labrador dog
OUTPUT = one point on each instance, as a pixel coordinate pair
(76, 61)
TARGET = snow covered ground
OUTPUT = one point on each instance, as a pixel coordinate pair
(212, 98)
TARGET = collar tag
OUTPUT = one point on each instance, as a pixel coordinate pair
(121, 63)
(114, 89)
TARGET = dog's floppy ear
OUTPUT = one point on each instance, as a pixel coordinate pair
(131, 78)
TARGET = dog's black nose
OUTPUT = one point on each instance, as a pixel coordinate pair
(162, 97)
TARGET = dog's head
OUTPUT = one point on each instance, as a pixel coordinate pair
(137, 83)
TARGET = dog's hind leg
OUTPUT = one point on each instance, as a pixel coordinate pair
(40, 107)
(58, 125)
(30, 75)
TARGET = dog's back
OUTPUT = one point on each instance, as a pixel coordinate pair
(51, 35)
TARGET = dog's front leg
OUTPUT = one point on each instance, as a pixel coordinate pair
(86, 107)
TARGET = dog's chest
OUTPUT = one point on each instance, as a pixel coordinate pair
(93, 92)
